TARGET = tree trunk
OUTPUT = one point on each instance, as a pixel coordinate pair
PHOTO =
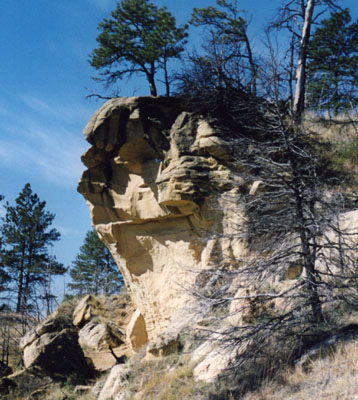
(21, 282)
(308, 249)
(299, 100)
(152, 87)
(252, 64)
(291, 69)
(166, 78)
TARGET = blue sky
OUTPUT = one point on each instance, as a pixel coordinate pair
(45, 76)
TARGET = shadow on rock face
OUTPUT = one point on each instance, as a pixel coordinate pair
(53, 348)
(154, 186)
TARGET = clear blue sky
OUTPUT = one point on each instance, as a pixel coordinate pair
(45, 76)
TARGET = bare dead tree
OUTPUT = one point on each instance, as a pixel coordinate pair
(301, 270)
(298, 17)
(227, 49)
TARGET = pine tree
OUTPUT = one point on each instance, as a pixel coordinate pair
(27, 236)
(333, 64)
(4, 277)
(94, 270)
(228, 51)
(140, 38)
(298, 17)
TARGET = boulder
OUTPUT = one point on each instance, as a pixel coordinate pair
(97, 388)
(99, 336)
(212, 360)
(116, 381)
(85, 310)
(163, 345)
(137, 332)
(53, 347)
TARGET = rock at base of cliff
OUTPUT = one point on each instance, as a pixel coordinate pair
(137, 331)
(100, 336)
(163, 345)
(53, 347)
(116, 381)
(85, 310)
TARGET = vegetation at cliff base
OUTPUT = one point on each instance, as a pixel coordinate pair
(285, 115)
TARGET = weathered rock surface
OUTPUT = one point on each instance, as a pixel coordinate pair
(102, 323)
(137, 332)
(100, 336)
(165, 192)
(53, 347)
(116, 380)
(159, 182)
(163, 345)
(85, 310)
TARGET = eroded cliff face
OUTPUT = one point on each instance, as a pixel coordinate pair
(160, 187)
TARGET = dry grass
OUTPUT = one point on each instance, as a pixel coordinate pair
(341, 129)
(338, 140)
(167, 378)
(117, 308)
(66, 392)
(169, 385)
(51, 392)
(331, 378)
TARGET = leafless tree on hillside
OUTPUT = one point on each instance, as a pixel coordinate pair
(298, 17)
(300, 274)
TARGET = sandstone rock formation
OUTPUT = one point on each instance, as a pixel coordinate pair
(159, 183)
(163, 345)
(102, 323)
(137, 332)
(53, 347)
(85, 310)
(115, 381)
(100, 336)
(165, 190)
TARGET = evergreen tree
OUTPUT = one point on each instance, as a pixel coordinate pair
(228, 49)
(4, 277)
(25, 255)
(298, 17)
(140, 38)
(333, 64)
(94, 270)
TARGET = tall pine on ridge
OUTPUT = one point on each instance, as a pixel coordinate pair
(333, 65)
(140, 38)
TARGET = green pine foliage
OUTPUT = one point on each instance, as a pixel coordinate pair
(227, 58)
(4, 277)
(25, 257)
(139, 39)
(333, 65)
(94, 270)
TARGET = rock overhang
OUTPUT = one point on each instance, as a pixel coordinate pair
(155, 182)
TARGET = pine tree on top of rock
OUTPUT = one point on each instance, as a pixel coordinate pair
(139, 39)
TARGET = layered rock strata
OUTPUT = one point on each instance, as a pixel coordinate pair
(164, 196)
